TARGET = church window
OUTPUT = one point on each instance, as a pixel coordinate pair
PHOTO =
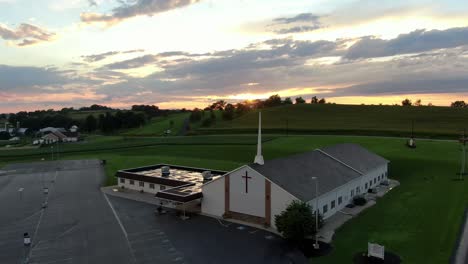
(325, 209)
(352, 193)
(375, 180)
(132, 182)
(142, 184)
(122, 180)
(367, 185)
(151, 185)
(332, 204)
(340, 200)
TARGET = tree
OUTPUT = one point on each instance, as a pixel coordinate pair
(314, 100)
(418, 102)
(272, 101)
(196, 115)
(322, 101)
(297, 222)
(287, 101)
(406, 102)
(90, 123)
(218, 105)
(459, 104)
(228, 113)
(4, 135)
(300, 100)
(241, 109)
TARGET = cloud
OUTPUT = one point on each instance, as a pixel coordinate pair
(135, 8)
(304, 17)
(105, 55)
(300, 23)
(92, 3)
(414, 42)
(23, 78)
(26, 34)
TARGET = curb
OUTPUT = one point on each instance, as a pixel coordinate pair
(456, 249)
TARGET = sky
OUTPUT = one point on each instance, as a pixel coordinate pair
(188, 53)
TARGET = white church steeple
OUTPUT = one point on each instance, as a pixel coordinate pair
(259, 158)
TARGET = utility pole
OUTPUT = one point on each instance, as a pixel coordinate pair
(316, 245)
(463, 141)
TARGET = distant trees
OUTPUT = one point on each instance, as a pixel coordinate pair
(314, 100)
(272, 101)
(228, 113)
(300, 100)
(149, 110)
(322, 101)
(418, 103)
(90, 124)
(406, 102)
(287, 101)
(196, 115)
(218, 105)
(459, 104)
(95, 107)
(297, 222)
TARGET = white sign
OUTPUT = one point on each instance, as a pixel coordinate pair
(375, 250)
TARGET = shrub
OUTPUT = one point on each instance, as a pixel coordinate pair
(359, 200)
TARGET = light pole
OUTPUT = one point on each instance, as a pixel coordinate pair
(316, 245)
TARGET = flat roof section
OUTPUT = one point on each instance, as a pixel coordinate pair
(187, 181)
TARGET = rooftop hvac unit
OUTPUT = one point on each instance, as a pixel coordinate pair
(207, 176)
(165, 171)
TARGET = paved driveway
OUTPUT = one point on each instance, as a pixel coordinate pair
(168, 239)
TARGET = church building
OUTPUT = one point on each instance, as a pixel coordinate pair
(255, 193)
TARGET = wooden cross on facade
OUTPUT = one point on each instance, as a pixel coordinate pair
(246, 177)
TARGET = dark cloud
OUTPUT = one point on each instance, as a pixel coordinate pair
(304, 17)
(92, 3)
(23, 78)
(297, 29)
(414, 42)
(135, 8)
(102, 56)
(26, 34)
(304, 22)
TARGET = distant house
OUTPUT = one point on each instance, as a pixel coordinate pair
(52, 135)
(74, 129)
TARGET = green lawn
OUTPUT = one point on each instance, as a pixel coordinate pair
(157, 126)
(418, 220)
(442, 122)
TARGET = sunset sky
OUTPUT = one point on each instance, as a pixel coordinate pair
(187, 53)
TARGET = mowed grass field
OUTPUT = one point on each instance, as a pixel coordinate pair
(418, 220)
(157, 126)
(435, 122)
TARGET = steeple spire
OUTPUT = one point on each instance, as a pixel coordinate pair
(259, 158)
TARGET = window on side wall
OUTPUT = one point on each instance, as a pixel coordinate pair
(332, 204)
(162, 187)
(122, 180)
(151, 185)
(325, 209)
(142, 184)
(352, 193)
(367, 185)
(132, 182)
(340, 200)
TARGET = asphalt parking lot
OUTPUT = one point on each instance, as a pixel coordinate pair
(169, 239)
(82, 225)
(77, 226)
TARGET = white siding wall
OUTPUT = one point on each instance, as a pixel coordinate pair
(146, 188)
(348, 191)
(213, 198)
(280, 199)
(253, 202)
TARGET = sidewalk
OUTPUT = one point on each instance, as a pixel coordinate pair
(327, 232)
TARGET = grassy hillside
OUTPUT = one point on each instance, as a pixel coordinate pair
(351, 119)
(158, 125)
(418, 220)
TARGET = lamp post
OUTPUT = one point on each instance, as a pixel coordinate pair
(316, 245)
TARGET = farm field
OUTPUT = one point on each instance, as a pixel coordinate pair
(430, 122)
(157, 126)
(418, 220)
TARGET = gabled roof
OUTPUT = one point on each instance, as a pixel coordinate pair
(294, 173)
(355, 156)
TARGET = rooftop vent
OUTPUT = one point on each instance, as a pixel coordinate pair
(165, 171)
(207, 176)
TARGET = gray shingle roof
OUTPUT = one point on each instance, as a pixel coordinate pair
(356, 156)
(294, 173)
